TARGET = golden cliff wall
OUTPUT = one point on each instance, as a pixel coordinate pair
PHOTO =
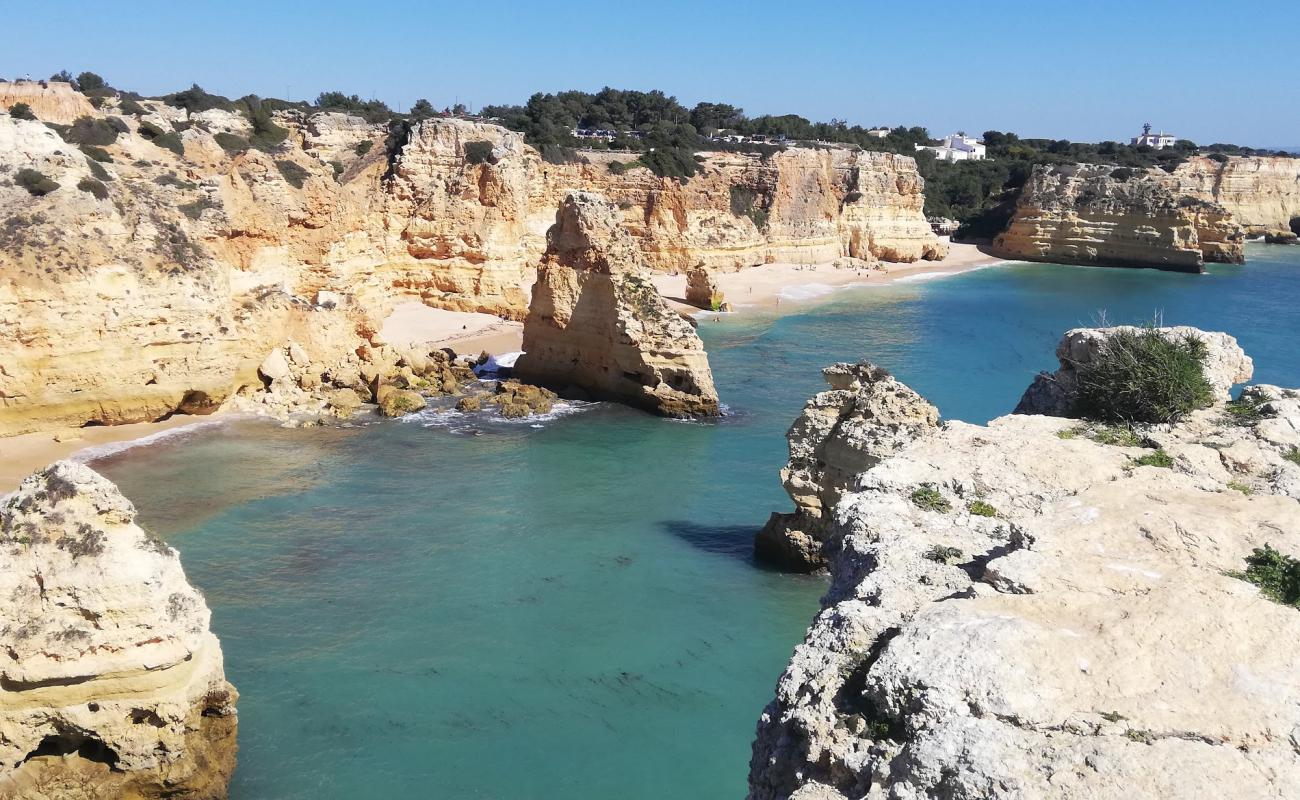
(157, 282)
(1262, 194)
(1092, 214)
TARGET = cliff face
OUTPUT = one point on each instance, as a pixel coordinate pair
(1095, 214)
(1262, 194)
(149, 276)
(111, 683)
(597, 324)
(1018, 610)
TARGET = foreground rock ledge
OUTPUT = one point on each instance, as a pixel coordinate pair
(597, 325)
(1049, 619)
(111, 683)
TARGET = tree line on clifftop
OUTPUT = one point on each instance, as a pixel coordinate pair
(661, 134)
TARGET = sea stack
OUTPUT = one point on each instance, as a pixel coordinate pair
(111, 683)
(598, 327)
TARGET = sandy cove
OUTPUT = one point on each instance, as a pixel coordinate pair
(784, 288)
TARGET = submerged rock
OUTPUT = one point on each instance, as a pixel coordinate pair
(597, 323)
(111, 683)
(867, 415)
(1054, 393)
(1024, 610)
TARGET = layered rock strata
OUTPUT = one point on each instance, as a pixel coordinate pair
(1261, 193)
(111, 683)
(865, 417)
(1096, 214)
(597, 326)
(168, 262)
(1054, 393)
(1019, 610)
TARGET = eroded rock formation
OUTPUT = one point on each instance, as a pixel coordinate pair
(866, 416)
(1261, 193)
(170, 261)
(111, 683)
(1019, 610)
(597, 325)
(1110, 216)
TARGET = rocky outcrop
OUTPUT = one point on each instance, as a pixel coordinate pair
(49, 101)
(1097, 214)
(1261, 193)
(1021, 610)
(111, 683)
(597, 326)
(866, 416)
(168, 263)
(702, 290)
(1054, 393)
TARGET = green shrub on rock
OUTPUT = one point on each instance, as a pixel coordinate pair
(1141, 375)
(928, 498)
(21, 111)
(231, 143)
(97, 153)
(93, 187)
(982, 509)
(1158, 458)
(479, 153)
(93, 131)
(1276, 575)
(35, 182)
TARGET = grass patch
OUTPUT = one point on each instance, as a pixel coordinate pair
(1142, 375)
(1158, 458)
(232, 144)
(1293, 455)
(36, 183)
(928, 498)
(1113, 435)
(1244, 412)
(1238, 486)
(942, 554)
(1276, 575)
(982, 509)
(1068, 433)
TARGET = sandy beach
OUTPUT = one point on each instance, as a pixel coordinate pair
(789, 286)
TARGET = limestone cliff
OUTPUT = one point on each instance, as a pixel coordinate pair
(1261, 193)
(168, 262)
(597, 324)
(111, 683)
(1021, 610)
(1096, 214)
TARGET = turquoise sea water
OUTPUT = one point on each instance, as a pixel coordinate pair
(570, 610)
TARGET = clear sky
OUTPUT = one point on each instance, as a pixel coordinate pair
(1080, 70)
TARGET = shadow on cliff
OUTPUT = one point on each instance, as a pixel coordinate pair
(733, 541)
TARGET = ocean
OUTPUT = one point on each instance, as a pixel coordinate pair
(460, 606)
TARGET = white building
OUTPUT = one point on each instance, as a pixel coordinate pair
(957, 147)
(1157, 140)
(879, 133)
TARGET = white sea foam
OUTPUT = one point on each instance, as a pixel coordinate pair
(805, 291)
(474, 422)
(98, 451)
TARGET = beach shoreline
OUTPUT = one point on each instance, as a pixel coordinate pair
(780, 287)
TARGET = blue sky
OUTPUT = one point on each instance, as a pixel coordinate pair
(1082, 71)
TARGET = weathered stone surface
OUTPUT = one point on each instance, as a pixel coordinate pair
(1103, 215)
(55, 102)
(1082, 636)
(702, 290)
(514, 399)
(1261, 193)
(111, 683)
(867, 416)
(597, 323)
(1054, 393)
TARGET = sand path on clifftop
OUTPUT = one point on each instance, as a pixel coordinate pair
(784, 285)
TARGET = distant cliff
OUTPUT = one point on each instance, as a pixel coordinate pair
(1261, 193)
(1043, 607)
(1113, 216)
(150, 261)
